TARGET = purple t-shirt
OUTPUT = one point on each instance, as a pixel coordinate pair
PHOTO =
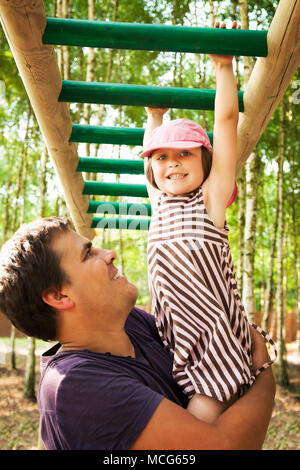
(99, 401)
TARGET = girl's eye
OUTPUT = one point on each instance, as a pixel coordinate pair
(186, 153)
(161, 157)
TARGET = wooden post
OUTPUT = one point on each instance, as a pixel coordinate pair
(24, 22)
(270, 77)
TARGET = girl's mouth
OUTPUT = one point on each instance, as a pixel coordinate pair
(177, 176)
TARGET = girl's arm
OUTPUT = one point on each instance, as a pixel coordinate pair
(219, 186)
(155, 119)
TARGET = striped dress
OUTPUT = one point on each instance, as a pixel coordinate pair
(198, 310)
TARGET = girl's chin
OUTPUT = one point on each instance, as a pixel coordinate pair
(178, 189)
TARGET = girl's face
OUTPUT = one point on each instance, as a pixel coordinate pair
(177, 171)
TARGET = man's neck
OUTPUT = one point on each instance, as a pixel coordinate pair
(116, 343)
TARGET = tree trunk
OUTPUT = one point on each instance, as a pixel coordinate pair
(43, 182)
(241, 224)
(262, 262)
(23, 189)
(63, 9)
(80, 78)
(237, 71)
(107, 79)
(250, 235)
(29, 383)
(20, 191)
(285, 273)
(294, 235)
(90, 77)
(66, 13)
(283, 375)
(270, 281)
(243, 190)
(17, 191)
(200, 78)
(20, 175)
(251, 168)
(248, 63)
(7, 212)
(59, 49)
(13, 364)
(211, 13)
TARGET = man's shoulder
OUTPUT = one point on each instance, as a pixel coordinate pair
(139, 316)
(142, 322)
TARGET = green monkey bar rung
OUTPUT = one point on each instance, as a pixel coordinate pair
(115, 189)
(153, 37)
(111, 135)
(113, 165)
(140, 95)
(119, 208)
(107, 135)
(114, 223)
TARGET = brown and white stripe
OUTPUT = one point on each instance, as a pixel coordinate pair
(198, 310)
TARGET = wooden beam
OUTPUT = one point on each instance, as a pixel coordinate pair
(24, 22)
(270, 77)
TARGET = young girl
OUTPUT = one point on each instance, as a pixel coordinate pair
(198, 310)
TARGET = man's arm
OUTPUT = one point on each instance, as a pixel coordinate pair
(243, 426)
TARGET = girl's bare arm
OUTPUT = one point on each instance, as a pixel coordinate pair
(219, 186)
(155, 119)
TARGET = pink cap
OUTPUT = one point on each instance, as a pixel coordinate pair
(233, 196)
(179, 133)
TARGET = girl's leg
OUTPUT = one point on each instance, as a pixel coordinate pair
(206, 408)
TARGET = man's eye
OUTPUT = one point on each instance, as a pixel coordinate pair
(88, 253)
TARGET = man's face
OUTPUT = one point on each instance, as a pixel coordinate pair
(95, 284)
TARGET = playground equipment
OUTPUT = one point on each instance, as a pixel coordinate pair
(31, 37)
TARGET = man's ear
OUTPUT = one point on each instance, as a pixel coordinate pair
(54, 297)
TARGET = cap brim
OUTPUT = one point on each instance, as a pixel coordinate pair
(173, 145)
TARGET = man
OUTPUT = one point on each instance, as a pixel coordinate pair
(108, 383)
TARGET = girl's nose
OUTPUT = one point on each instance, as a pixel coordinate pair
(174, 163)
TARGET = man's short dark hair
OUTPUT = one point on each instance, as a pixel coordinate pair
(28, 266)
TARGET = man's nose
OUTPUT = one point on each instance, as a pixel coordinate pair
(109, 256)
